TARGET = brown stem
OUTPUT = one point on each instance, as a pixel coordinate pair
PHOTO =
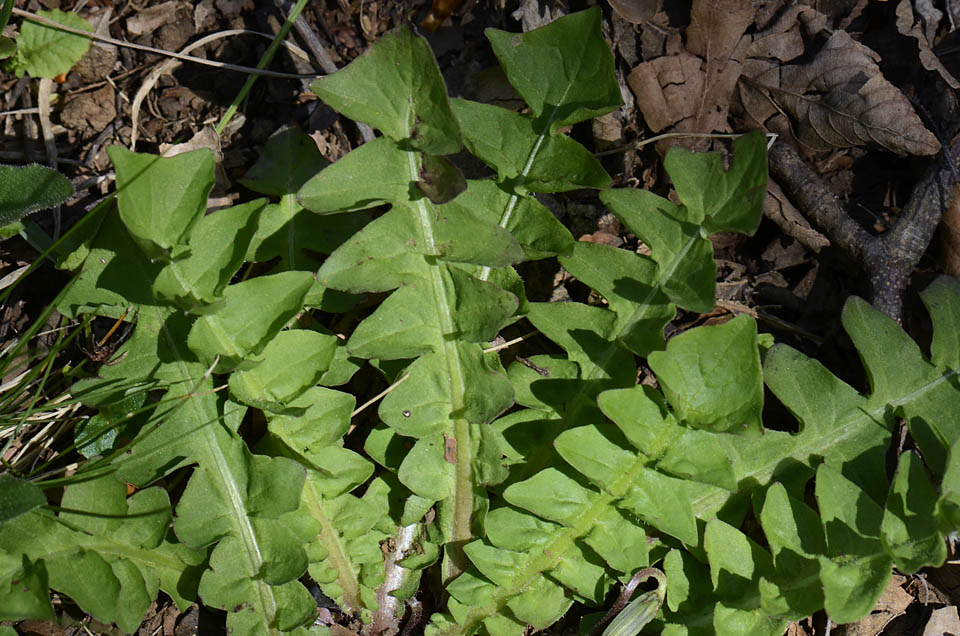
(889, 259)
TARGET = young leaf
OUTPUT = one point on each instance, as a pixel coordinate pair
(440, 180)
(44, 51)
(565, 71)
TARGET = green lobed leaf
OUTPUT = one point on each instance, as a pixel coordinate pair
(375, 173)
(910, 526)
(346, 559)
(942, 300)
(393, 251)
(507, 141)
(289, 364)
(622, 278)
(115, 274)
(795, 537)
(109, 553)
(856, 568)
(396, 86)
(253, 312)
(736, 562)
(533, 226)
(202, 268)
(564, 70)
(24, 589)
(160, 198)
(44, 51)
(692, 454)
(948, 506)
(685, 257)
(27, 189)
(899, 362)
(711, 376)
(585, 333)
(722, 200)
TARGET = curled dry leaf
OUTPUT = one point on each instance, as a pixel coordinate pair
(907, 25)
(840, 99)
(778, 208)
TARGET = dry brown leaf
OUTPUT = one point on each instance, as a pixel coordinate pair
(691, 90)
(907, 25)
(782, 39)
(636, 11)
(716, 28)
(797, 629)
(667, 88)
(892, 603)
(840, 99)
(149, 19)
(778, 208)
(654, 35)
(942, 621)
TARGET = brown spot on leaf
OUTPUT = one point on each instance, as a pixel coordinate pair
(449, 449)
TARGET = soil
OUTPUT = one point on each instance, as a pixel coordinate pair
(796, 293)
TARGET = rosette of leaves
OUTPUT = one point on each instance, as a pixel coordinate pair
(446, 246)
(675, 473)
(196, 328)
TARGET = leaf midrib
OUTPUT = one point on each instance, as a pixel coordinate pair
(218, 465)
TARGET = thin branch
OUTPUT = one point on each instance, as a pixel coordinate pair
(889, 259)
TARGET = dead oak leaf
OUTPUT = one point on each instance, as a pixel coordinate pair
(840, 99)
(667, 89)
(908, 26)
(691, 89)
